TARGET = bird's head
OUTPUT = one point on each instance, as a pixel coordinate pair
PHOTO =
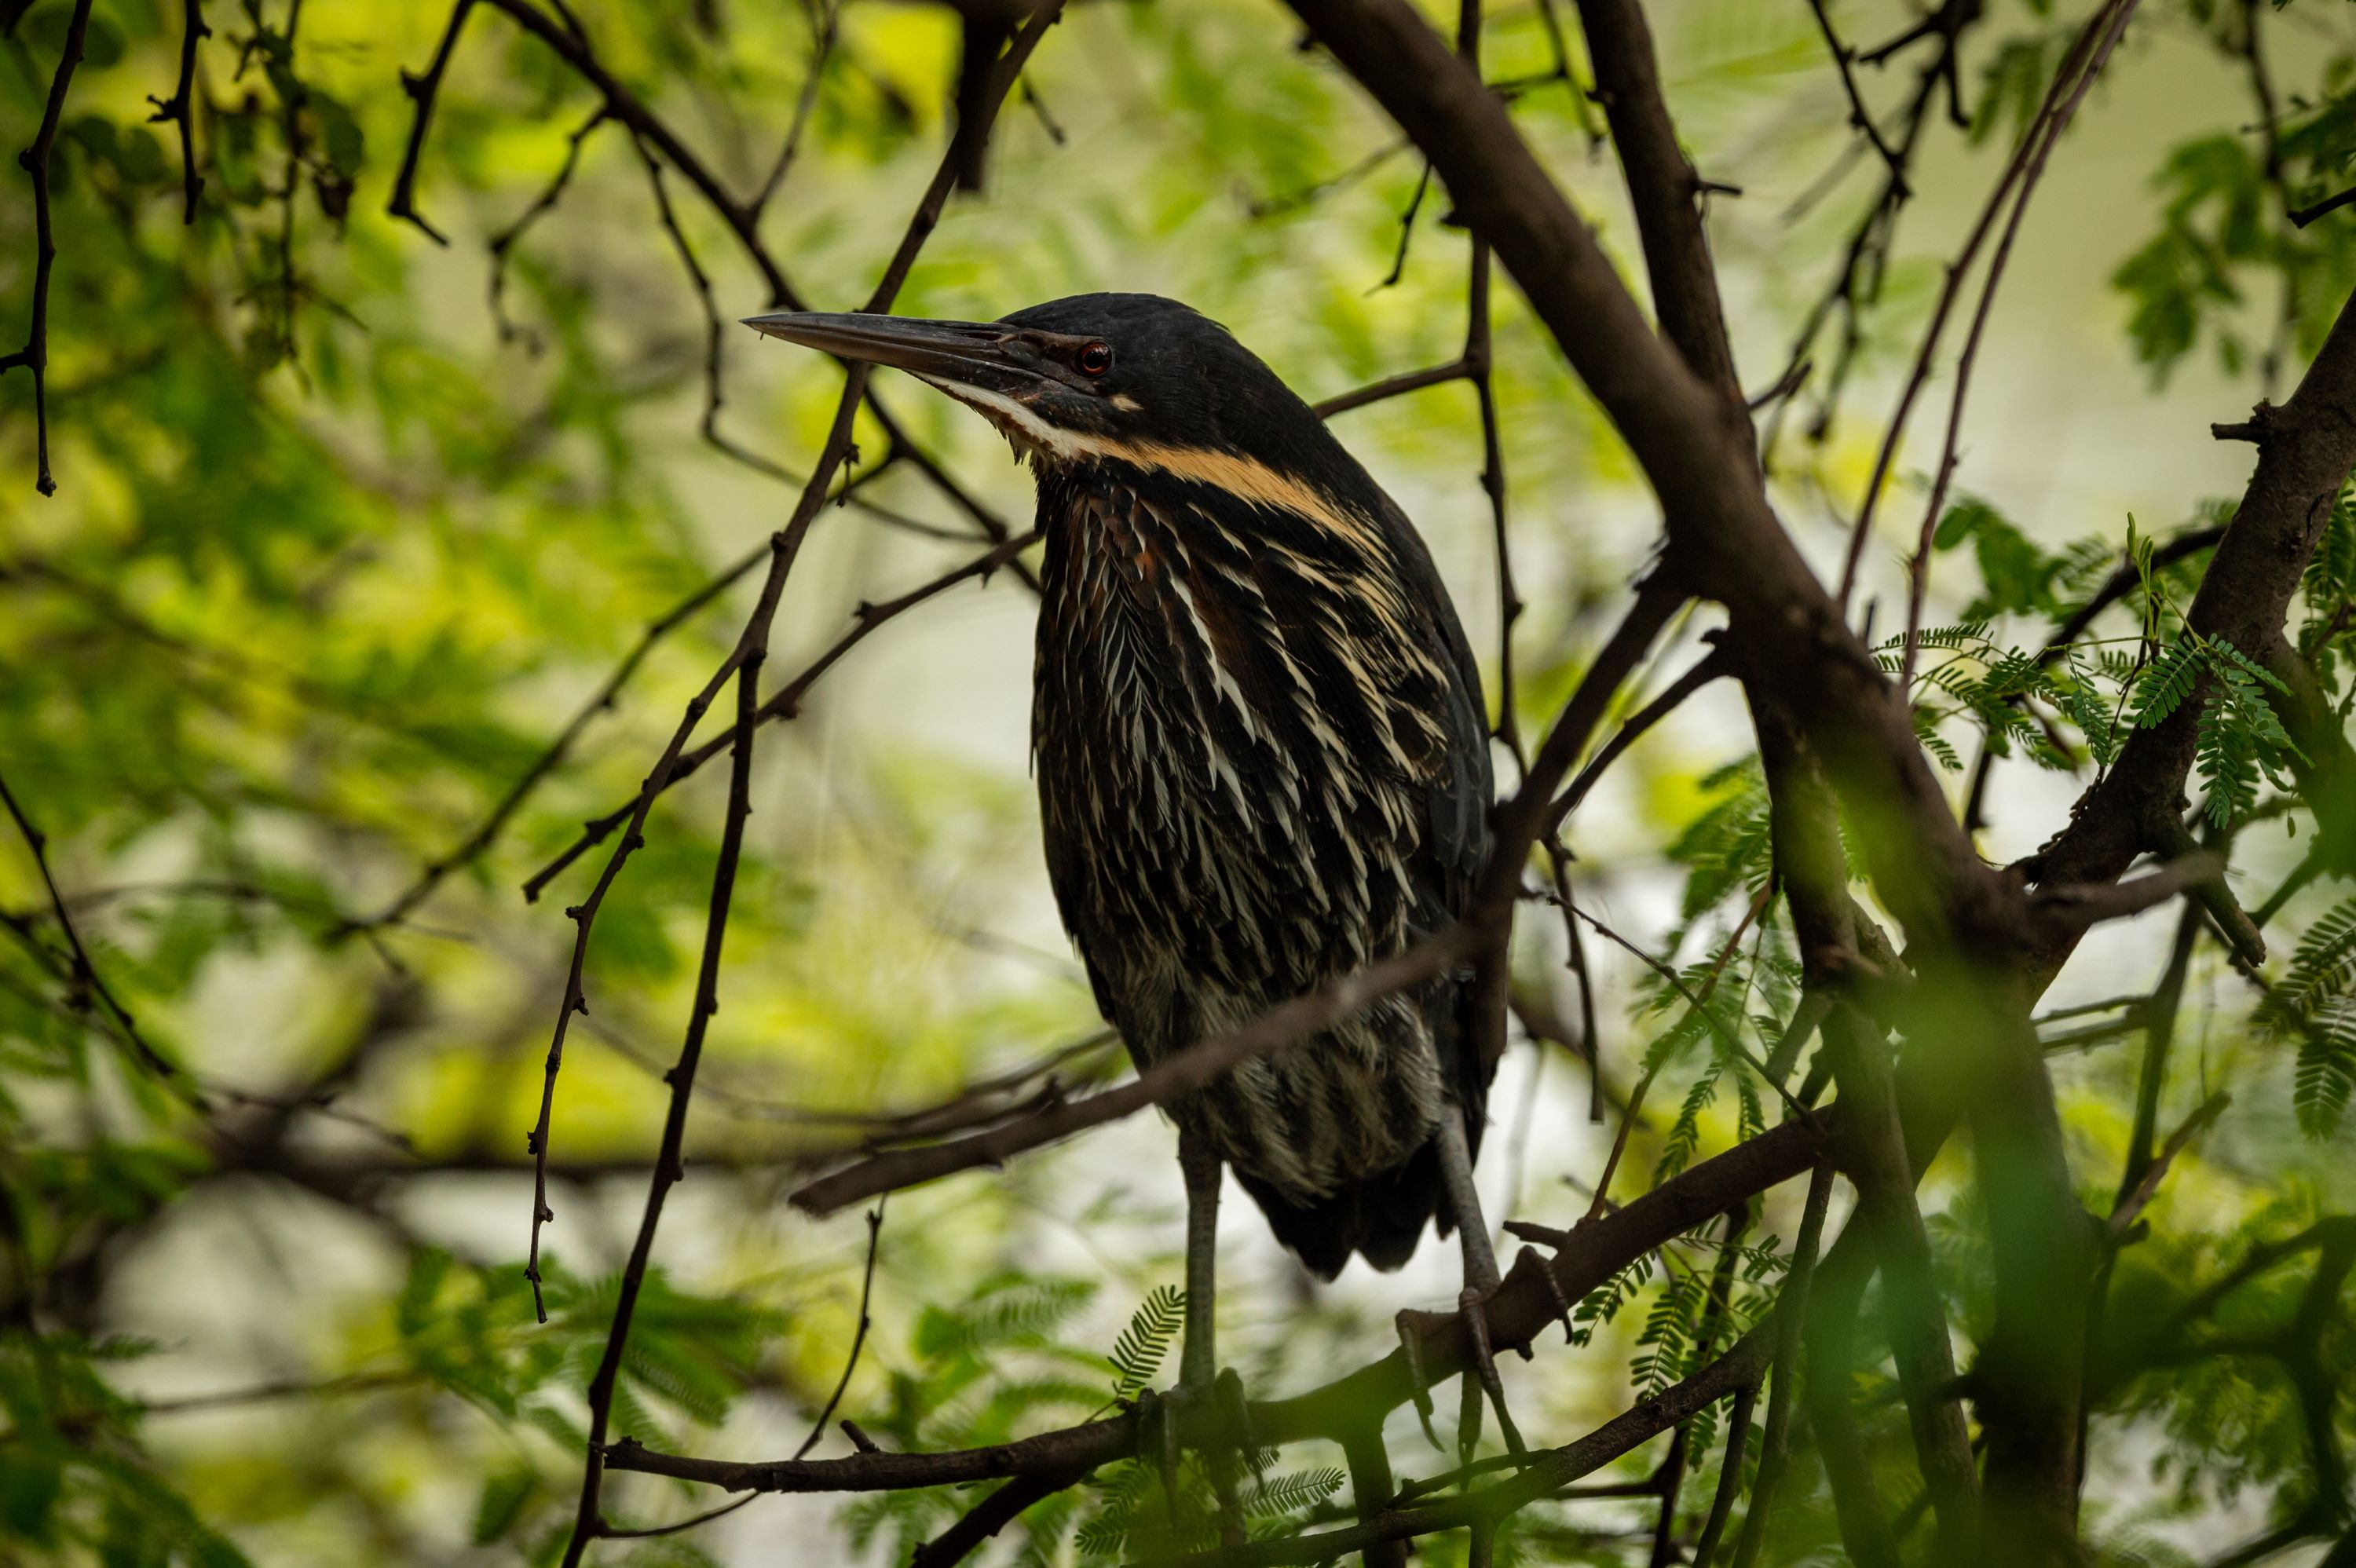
(1132, 379)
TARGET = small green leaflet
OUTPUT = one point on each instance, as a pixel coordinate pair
(1137, 1355)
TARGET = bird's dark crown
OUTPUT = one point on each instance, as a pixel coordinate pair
(1176, 377)
(1131, 379)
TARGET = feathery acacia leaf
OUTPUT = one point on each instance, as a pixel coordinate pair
(1138, 1354)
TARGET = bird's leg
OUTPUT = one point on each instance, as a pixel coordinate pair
(1201, 1384)
(1198, 1361)
(1481, 1281)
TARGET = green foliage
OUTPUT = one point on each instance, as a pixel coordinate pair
(2222, 240)
(1666, 1340)
(2193, 1305)
(1137, 1354)
(1132, 1513)
(1966, 670)
(2239, 737)
(71, 1482)
(2329, 589)
(1726, 845)
(2316, 1001)
(1600, 1306)
(2016, 575)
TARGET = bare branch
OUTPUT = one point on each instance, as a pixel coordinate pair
(502, 244)
(1392, 387)
(35, 159)
(2130, 1207)
(2303, 216)
(2106, 29)
(2080, 907)
(1710, 666)
(1522, 1309)
(473, 847)
(1173, 1075)
(85, 980)
(2032, 145)
(1664, 188)
(858, 1338)
(1860, 117)
(181, 106)
(1739, 1368)
(424, 90)
(784, 703)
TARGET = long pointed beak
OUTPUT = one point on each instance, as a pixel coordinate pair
(980, 355)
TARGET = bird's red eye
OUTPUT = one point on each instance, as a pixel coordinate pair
(1095, 359)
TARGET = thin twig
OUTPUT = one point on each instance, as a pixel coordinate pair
(422, 90)
(1391, 387)
(829, 17)
(671, 1165)
(2056, 121)
(181, 106)
(86, 981)
(2131, 1207)
(859, 1338)
(487, 832)
(1406, 231)
(1731, 1464)
(2302, 217)
(784, 703)
(1181, 1071)
(612, 1533)
(1791, 1319)
(1710, 666)
(502, 244)
(743, 666)
(1858, 115)
(35, 159)
(2031, 141)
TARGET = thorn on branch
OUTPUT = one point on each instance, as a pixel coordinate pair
(2253, 430)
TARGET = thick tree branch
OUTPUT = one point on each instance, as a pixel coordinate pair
(1529, 1300)
(1738, 1369)
(1666, 191)
(2305, 452)
(1693, 441)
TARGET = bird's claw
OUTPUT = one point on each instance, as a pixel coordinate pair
(1157, 1440)
(1528, 1259)
(1234, 1409)
(1410, 1338)
(1473, 1303)
(1161, 1418)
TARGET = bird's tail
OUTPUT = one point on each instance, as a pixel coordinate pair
(1380, 1218)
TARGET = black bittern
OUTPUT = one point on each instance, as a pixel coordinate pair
(1261, 756)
